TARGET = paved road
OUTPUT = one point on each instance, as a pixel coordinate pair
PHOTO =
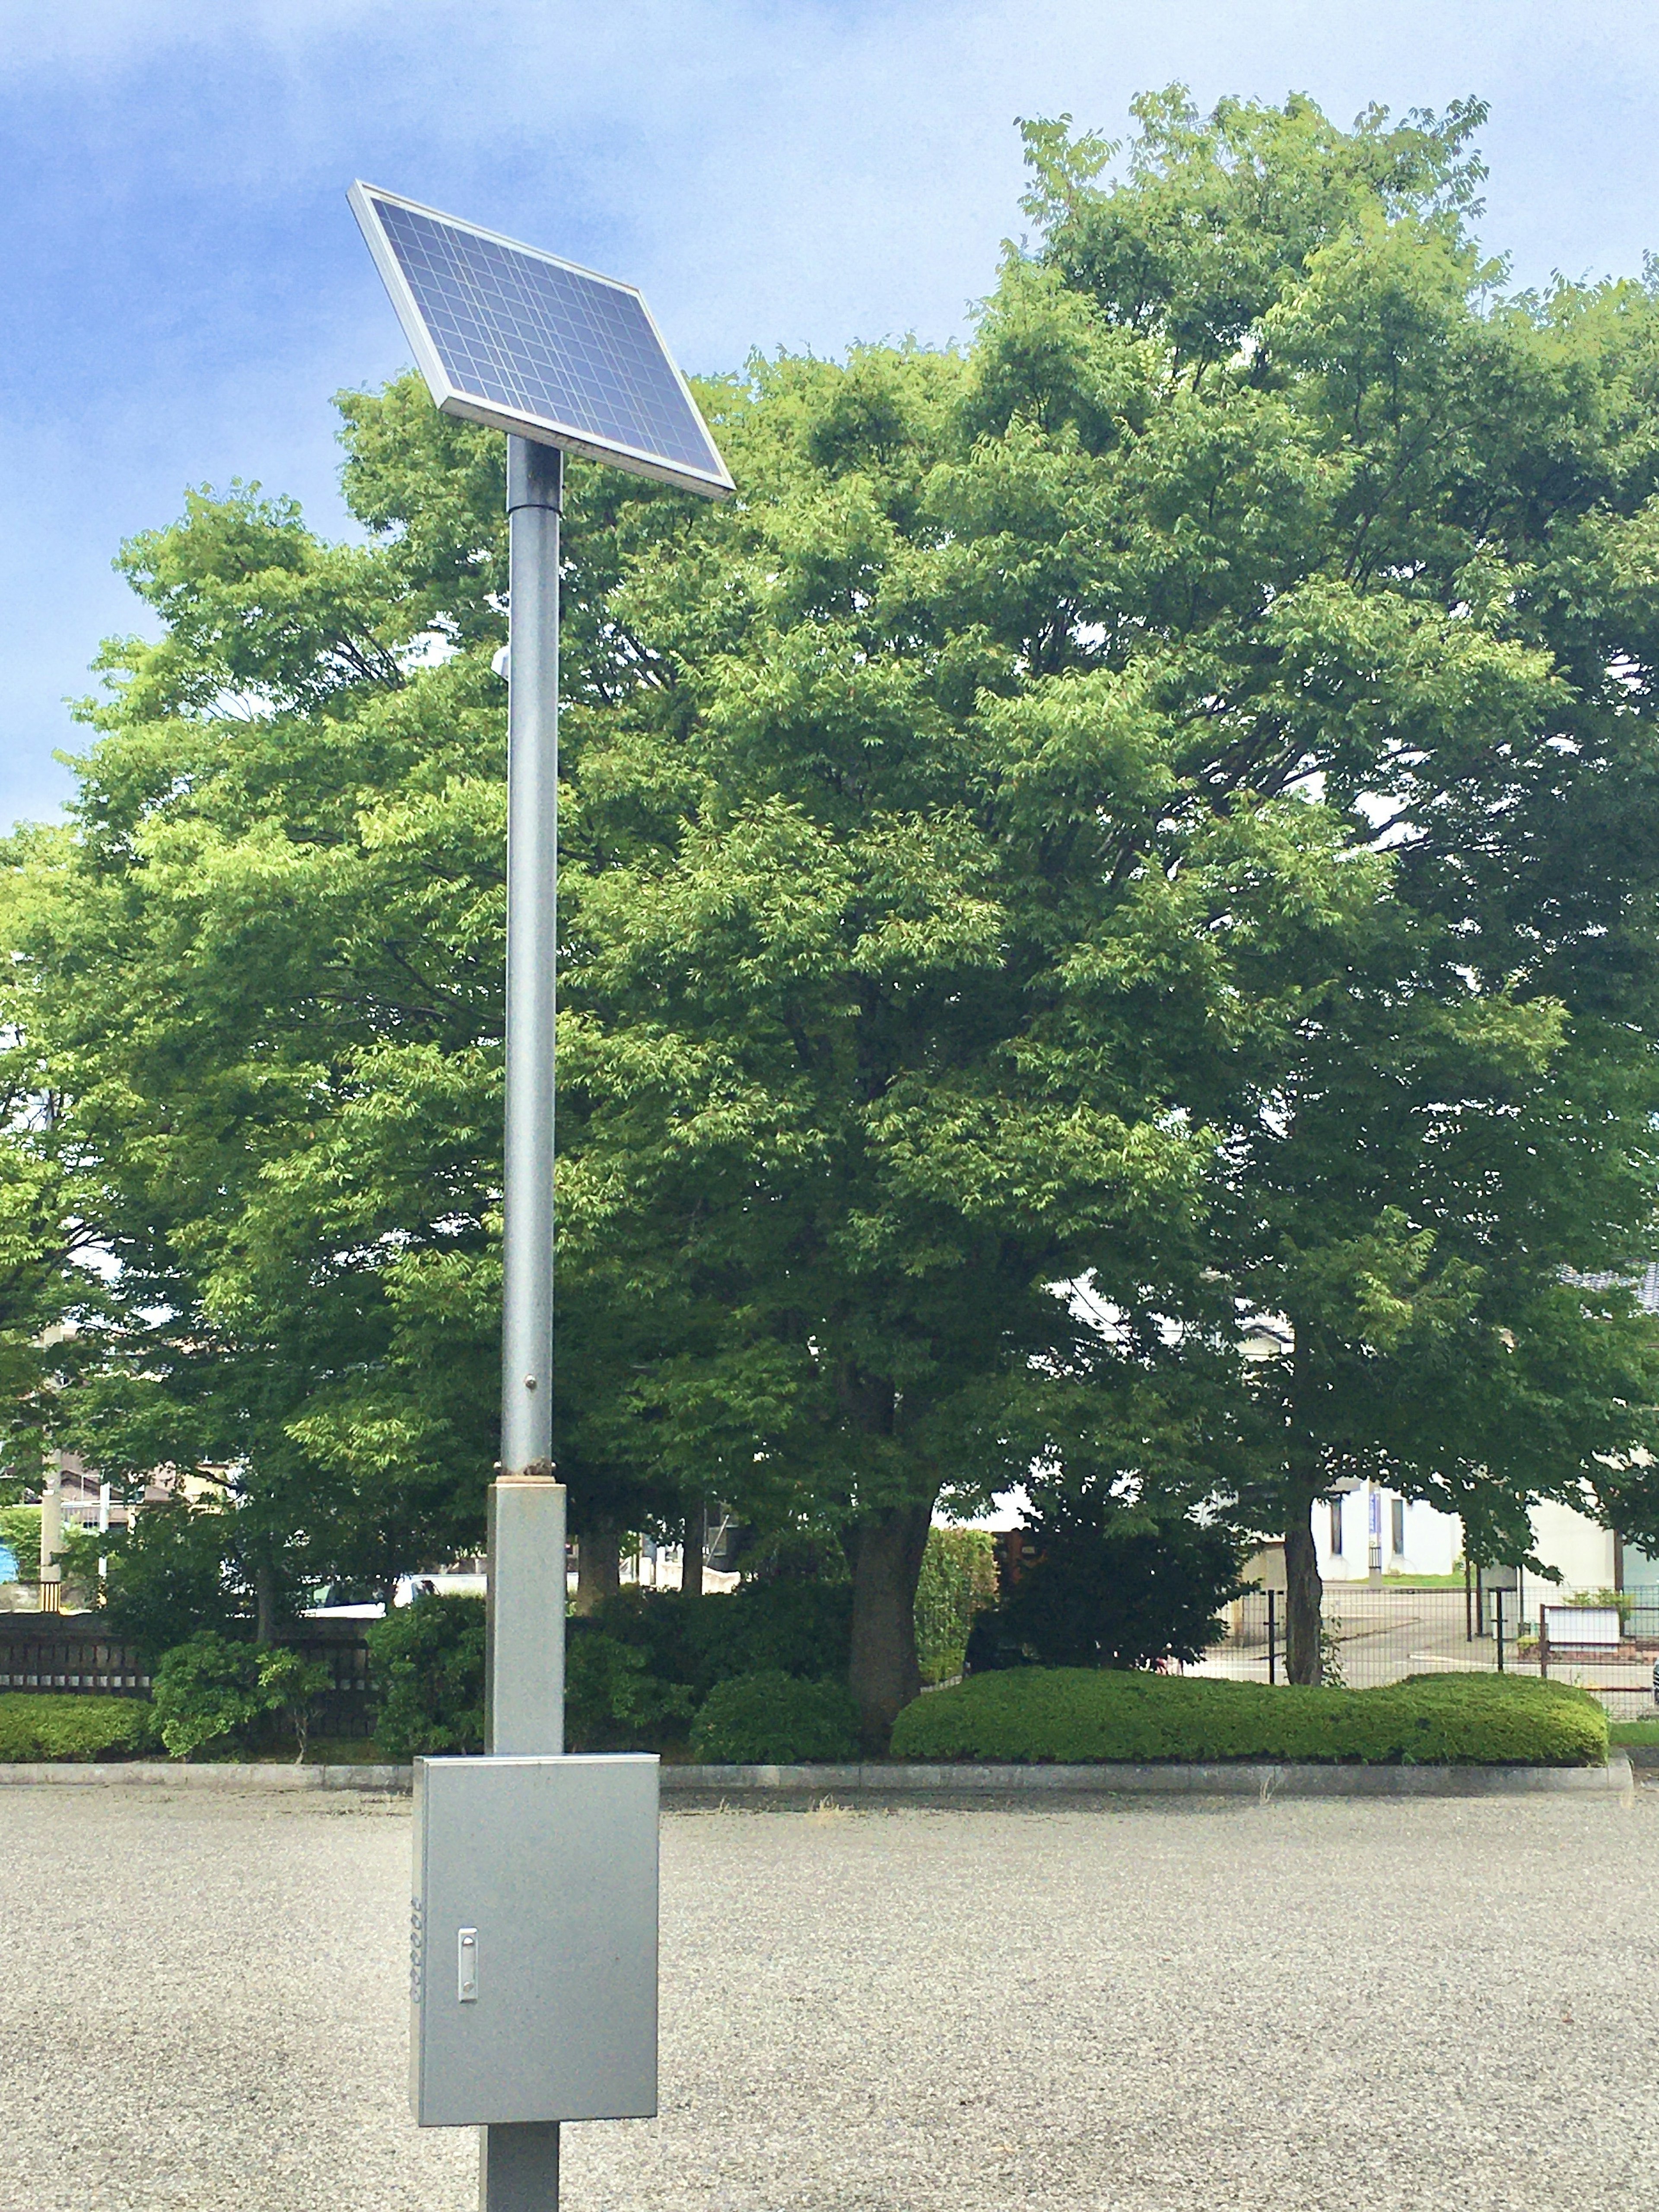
(1145, 2008)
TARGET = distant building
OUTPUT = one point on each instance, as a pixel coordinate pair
(1363, 1530)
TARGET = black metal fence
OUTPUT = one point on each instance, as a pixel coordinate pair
(65, 1654)
(1375, 1633)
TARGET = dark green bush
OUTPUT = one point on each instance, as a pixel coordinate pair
(427, 1661)
(205, 1688)
(800, 1628)
(51, 1728)
(634, 1670)
(613, 1702)
(774, 1719)
(1075, 1714)
(1105, 1589)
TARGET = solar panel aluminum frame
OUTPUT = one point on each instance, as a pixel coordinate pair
(452, 401)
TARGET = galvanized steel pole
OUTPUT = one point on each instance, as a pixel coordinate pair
(519, 2165)
(535, 484)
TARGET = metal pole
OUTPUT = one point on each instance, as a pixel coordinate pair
(519, 2165)
(535, 485)
(1271, 1676)
(1497, 1619)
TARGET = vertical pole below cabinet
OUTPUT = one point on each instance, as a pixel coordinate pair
(519, 2168)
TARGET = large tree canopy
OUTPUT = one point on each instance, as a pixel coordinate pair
(1386, 539)
(1161, 802)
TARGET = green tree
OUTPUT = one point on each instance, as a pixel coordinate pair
(49, 1280)
(1380, 535)
(832, 1110)
(1159, 805)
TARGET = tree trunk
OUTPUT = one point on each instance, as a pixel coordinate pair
(696, 1529)
(599, 1568)
(264, 1603)
(1304, 1591)
(886, 1558)
(1303, 1594)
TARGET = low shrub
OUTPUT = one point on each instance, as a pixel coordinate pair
(210, 1688)
(427, 1661)
(1076, 1715)
(205, 1689)
(774, 1719)
(42, 1727)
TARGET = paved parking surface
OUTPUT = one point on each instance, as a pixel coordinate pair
(1144, 2008)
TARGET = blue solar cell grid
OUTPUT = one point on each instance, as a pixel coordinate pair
(536, 338)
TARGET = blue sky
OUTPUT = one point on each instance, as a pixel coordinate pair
(184, 286)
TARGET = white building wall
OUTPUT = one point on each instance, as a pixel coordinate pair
(1339, 1536)
(1434, 1540)
(1431, 1543)
(1580, 1548)
(1403, 1535)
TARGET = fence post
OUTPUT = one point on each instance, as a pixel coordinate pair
(1272, 1676)
(1468, 1604)
(1543, 1643)
(1497, 1622)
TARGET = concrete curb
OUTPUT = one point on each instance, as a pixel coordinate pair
(920, 1785)
(140, 1773)
(1232, 1778)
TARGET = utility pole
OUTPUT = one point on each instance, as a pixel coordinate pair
(524, 1680)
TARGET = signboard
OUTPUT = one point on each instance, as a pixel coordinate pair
(1583, 1627)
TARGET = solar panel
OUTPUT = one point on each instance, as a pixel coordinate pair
(536, 346)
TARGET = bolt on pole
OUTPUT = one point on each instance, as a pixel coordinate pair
(519, 2165)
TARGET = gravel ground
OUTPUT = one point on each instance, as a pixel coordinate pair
(1144, 2008)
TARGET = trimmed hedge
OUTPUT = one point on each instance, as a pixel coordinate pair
(774, 1719)
(40, 1727)
(1075, 1715)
